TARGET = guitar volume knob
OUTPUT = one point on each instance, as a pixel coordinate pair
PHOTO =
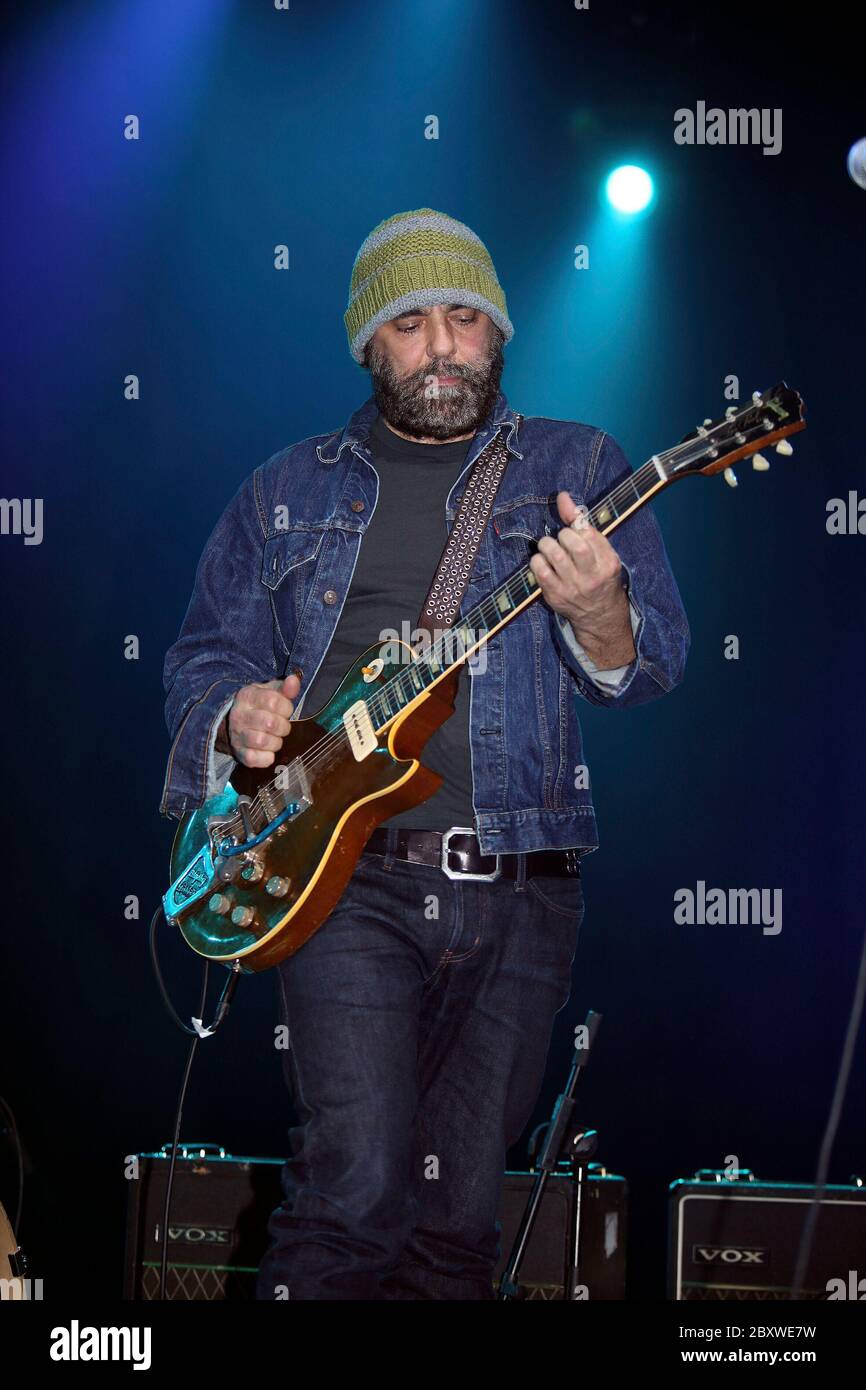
(219, 904)
(277, 887)
(243, 916)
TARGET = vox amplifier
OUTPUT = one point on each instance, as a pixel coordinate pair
(738, 1239)
(217, 1235)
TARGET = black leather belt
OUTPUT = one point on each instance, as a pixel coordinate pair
(457, 854)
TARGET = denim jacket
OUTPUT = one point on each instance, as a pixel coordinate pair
(274, 575)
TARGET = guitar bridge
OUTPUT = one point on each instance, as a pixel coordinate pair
(293, 785)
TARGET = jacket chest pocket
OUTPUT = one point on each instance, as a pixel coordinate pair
(290, 562)
(515, 531)
(285, 551)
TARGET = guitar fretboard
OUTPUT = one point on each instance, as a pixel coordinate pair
(456, 644)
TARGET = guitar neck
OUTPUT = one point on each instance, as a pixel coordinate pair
(713, 446)
(456, 645)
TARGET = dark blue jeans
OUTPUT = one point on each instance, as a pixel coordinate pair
(419, 1020)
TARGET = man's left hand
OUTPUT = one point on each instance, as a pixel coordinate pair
(580, 576)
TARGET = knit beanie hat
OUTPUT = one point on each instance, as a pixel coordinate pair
(417, 259)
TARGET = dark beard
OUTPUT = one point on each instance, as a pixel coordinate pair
(456, 410)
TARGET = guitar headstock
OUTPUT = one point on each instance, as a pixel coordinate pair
(717, 444)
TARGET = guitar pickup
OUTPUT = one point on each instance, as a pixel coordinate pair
(360, 731)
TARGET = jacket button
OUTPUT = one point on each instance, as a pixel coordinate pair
(330, 596)
(357, 506)
(296, 671)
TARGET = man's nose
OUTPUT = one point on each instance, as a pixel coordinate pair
(440, 343)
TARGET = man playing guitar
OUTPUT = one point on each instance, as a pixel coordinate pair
(419, 1016)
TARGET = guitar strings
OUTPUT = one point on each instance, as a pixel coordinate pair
(335, 739)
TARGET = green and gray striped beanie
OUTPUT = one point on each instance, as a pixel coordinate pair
(417, 259)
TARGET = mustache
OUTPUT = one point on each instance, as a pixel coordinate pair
(466, 371)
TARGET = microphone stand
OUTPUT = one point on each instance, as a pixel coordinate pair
(583, 1144)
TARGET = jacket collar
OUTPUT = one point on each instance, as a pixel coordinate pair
(358, 429)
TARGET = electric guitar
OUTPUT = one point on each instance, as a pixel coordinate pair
(258, 868)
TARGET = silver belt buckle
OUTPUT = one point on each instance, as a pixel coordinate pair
(457, 873)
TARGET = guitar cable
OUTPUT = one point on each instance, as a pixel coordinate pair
(225, 999)
(197, 1031)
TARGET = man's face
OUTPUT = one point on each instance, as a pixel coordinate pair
(436, 371)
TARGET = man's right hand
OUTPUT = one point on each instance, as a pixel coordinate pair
(258, 721)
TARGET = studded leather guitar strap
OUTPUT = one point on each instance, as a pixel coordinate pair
(442, 603)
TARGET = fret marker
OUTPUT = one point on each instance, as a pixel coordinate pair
(658, 467)
(503, 603)
(604, 516)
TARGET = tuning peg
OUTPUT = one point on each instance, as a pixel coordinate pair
(730, 477)
(708, 421)
(784, 448)
(731, 410)
(759, 463)
(756, 396)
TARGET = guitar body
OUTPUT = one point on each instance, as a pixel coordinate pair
(316, 853)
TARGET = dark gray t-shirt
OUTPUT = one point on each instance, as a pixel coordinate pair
(399, 552)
